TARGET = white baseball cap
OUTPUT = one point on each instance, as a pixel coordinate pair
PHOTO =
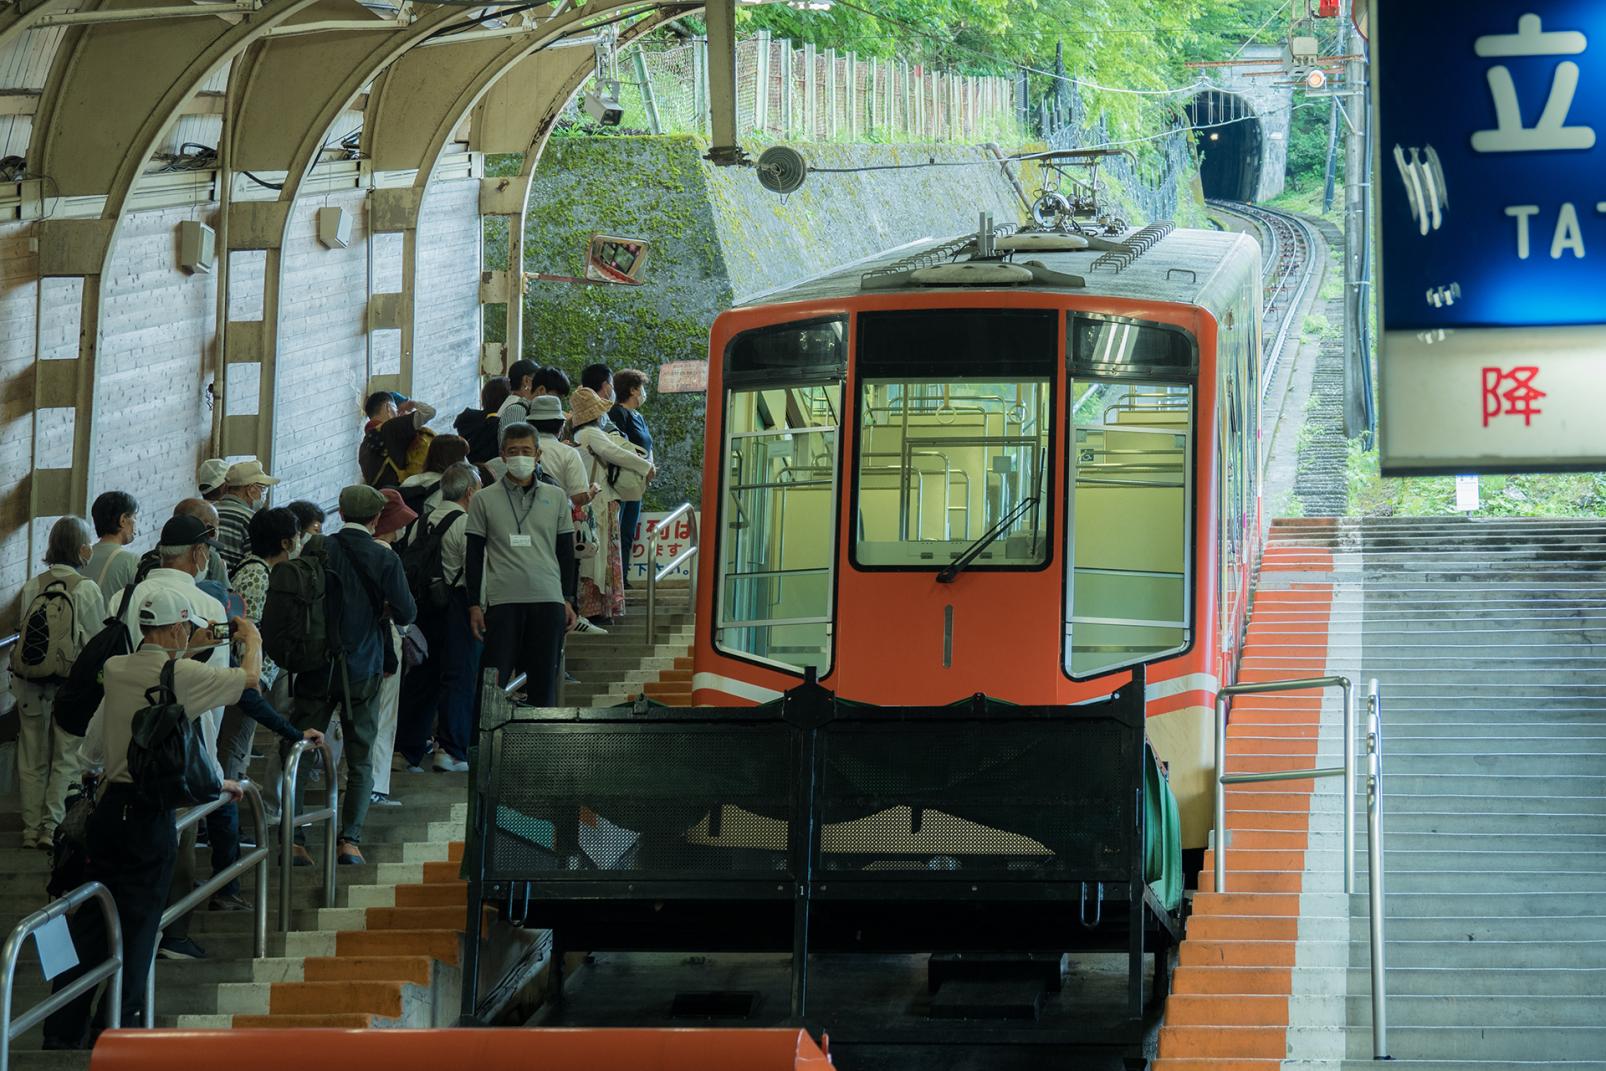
(211, 475)
(163, 607)
(249, 471)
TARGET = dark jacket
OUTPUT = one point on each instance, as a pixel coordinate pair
(369, 577)
(480, 428)
(629, 422)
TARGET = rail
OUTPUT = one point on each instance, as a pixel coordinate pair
(256, 859)
(111, 967)
(1374, 811)
(654, 574)
(290, 822)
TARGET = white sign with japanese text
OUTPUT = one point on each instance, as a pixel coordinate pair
(1490, 149)
(666, 548)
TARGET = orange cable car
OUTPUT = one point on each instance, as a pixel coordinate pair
(935, 479)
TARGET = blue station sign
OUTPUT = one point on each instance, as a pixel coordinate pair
(1490, 184)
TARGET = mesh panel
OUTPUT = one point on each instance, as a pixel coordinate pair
(673, 800)
(1005, 799)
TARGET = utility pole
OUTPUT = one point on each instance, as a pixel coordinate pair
(1357, 231)
(1334, 118)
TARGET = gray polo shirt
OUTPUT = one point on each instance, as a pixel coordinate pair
(520, 526)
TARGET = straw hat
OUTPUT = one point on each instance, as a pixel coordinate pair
(585, 405)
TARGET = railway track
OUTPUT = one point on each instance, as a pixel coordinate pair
(1287, 246)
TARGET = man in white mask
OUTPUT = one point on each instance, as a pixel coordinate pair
(521, 569)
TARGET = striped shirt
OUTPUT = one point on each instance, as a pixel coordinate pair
(233, 530)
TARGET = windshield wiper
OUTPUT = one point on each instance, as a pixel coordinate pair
(972, 552)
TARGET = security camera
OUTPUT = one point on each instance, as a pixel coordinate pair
(603, 106)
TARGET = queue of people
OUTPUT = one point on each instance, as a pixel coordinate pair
(488, 549)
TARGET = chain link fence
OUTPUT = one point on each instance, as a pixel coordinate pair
(811, 94)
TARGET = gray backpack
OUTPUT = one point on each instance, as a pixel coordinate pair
(47, 645)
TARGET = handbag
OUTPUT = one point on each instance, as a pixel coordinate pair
(586, 540)
(628, 485)
(69, 851)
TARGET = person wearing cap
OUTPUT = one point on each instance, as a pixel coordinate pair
(368, 590)
(245, 489)
(183, 556)
(131, 843)
(395, 439)
(440, 692)
(521, 569)
(394, 520)
(206, 513)
(602, 580)
(211, 478)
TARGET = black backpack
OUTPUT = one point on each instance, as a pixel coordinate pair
(77, 699)
(295, 625)
(167, 757)
(421, 561)
(481, 429)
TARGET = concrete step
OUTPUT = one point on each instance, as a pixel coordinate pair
(1482, 1043)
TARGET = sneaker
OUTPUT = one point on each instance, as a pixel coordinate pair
(415, 769)
(350, 854)
(229, 902)
(570, 678)
(30, 839)
(180, 948)
(444, 763)
(299, 856)
(584, 627)
(381, 799)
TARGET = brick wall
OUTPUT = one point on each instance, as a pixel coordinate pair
(323, 354)
(152, 420)
(446, 339)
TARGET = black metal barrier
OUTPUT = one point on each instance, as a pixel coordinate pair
(813, 825)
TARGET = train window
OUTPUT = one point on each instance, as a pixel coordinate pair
(1131, 456)
(778, 508)
(814, 351)
(1107, 347)
(953, 437)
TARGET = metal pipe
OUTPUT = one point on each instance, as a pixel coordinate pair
(257, 859)
(1349, 785)
(143, 14)
(109, 968)
(1374, 875)
(654, 574)
(1220, 838)
(1282, 775)
(289, 822)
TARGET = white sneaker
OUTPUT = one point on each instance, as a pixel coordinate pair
(444, 763)
(585, 628)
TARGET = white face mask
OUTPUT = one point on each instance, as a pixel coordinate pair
(521, 468)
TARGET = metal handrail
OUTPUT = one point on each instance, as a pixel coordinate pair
(1374, 872)
(289, 822)
(1346, 771)
(1374, 813)
(111, 967)
(256, 859)
(655, 574)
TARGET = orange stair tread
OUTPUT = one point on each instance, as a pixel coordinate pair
(411, 969)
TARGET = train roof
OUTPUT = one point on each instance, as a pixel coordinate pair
(1188, 267)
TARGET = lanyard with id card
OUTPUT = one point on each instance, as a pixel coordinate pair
(519, 537)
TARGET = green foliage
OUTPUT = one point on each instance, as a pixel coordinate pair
(1128, 44)
(1307, 147)
(1581, 494)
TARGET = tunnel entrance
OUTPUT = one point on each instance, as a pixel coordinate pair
(1231, 144)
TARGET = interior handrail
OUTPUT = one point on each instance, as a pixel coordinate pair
(655, 574)
(290, 821)
(109, 968)
(1374, 811)
(256, 859)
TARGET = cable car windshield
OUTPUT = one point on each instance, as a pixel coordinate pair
(947, 458)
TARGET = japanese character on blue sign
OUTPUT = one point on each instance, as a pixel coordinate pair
(1491, 187)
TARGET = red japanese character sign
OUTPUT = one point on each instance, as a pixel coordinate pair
(1511, 392)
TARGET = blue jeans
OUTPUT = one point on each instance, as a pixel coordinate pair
(629, 515)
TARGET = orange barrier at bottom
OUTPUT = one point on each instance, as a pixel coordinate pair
(482, 1049)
